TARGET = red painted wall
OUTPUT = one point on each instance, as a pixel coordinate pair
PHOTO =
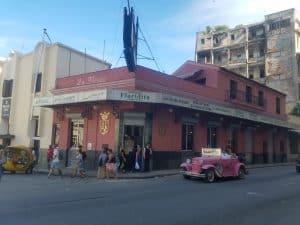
(166, 134)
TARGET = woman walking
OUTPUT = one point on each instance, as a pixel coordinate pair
(111, 165)
(138, 159)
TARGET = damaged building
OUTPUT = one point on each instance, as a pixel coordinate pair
(268, 52)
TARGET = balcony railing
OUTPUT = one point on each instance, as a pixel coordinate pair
(245, 98)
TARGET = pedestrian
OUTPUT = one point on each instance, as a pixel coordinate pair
(147, 154)
(78, 164)
(84, 157)
(131, 157)
(122, 160)
(34, 159)
(55, 164)
(102, 160)
(1, 162)
(138, 159)
(49, 156)
(111, 170)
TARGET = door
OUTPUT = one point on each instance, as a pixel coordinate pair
(133, 136)
(227, 165)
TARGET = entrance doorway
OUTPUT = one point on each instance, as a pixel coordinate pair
(133, 135)
(77, 129)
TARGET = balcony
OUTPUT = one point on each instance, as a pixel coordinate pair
(240, 97)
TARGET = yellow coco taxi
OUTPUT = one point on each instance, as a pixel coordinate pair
(18, 159)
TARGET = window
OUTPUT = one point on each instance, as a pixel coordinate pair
(232, 37)
(212, 137)
(251, 76)
(261, 51)
(203, 41)
(38, 83)
(201, 81)
(248, 94)
(262, 72)
(260, 98)
(251, 53)
(187, 137)
(233, 89)
(277, 105)
(77, 128)
(280, 24)
(56, 132)
(7, 88)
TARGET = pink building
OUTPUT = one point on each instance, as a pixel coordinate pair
(198, 106)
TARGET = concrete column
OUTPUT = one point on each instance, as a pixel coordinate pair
(211, 57)
(270, 146)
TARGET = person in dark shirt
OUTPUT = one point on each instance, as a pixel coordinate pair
(147, 153)
(122, 160)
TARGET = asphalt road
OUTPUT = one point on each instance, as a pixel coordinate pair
(268, 196)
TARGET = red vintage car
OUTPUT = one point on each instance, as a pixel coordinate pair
(213, 164)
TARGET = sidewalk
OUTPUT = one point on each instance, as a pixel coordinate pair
(129, 175)
(157, 173)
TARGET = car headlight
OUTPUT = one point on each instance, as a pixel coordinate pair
(188, 161)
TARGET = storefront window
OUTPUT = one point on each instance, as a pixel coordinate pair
(187, 137)
(77, 128)
(56, 134)
(212, 137)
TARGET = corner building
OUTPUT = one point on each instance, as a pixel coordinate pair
(198, 106)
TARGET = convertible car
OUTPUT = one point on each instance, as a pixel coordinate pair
(213, 164)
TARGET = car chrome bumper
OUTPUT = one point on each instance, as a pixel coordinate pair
(191, 174)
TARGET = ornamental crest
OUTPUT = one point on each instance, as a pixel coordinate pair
(104, 122)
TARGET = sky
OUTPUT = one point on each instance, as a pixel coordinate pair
(169, 26)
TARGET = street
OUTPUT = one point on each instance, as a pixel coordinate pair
(268, 196)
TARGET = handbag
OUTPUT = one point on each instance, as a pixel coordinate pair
(137, 166)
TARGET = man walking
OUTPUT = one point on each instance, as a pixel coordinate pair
(55, 164)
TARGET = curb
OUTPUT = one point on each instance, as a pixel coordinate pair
(149, 176)
(146, 176)
(249, 167)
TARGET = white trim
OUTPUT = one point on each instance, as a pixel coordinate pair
(159, 98)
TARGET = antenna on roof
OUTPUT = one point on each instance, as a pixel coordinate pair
(45, 34)
(131, 30)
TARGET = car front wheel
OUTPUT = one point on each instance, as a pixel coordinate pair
(241, 173)
(210, 176)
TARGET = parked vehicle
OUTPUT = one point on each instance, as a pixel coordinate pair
(298, 164)
(18, 159)
(213, 164)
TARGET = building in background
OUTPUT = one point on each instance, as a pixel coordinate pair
(268, 52)
(199, 106)
(27, 76)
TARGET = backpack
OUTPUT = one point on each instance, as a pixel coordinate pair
(60, 155)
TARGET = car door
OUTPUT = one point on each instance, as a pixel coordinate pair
(227, 167)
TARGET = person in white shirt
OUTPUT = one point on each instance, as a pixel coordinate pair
(55, 164)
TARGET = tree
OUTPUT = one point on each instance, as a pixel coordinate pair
(220, 28)
(296, 110)
(217, 28)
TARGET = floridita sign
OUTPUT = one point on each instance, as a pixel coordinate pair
(160, 98)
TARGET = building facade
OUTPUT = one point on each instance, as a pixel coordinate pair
(27, 76)
(198, 106)
(268, 52)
